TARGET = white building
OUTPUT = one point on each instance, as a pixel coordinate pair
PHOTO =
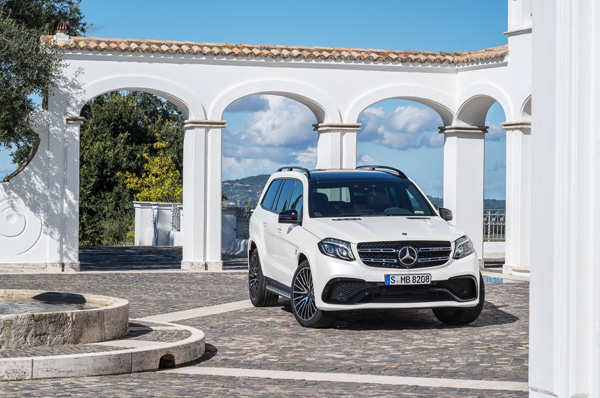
(40, 206)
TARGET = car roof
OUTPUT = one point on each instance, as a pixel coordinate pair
(352, 175)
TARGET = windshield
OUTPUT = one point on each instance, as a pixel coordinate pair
(367, 198)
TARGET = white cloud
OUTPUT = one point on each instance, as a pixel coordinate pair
(495, 132)
(365, 159)
(306, 158)
(281, 134)
(238, 168)
(284, 123)
(406, 127)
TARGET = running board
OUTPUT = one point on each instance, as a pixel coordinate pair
(278, 288)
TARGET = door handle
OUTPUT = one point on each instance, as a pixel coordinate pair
(264, 224)
(279, 229)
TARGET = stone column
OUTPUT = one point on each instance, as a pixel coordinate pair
(564, 355)
(337, 145)
(70, 201)
(202, 195)
(518, 197)
(463, 179)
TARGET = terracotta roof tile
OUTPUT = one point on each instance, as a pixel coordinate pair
(279, 51)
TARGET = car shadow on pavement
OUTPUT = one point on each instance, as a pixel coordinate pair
(405, 319)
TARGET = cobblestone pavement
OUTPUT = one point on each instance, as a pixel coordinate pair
(160, 384)
(148, 293)
(399, 342)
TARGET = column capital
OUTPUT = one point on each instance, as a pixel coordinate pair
(516, 126)
(209, 124)
(463, 129)
(322, 127)
(77, 120)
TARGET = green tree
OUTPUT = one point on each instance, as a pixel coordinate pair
(161, 181)
(28, 70)
(119, 128)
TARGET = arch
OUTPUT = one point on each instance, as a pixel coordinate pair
(180, 96)
(475, 102)
(526, 110)
(323, 107)
(435, 99)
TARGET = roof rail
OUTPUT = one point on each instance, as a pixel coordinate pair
(373, 167)
(292, 168)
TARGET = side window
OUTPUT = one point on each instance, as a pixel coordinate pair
(284, 196)
(296, 200)
(271, 194)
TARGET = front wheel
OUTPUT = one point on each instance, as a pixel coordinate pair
(304, 306)
(462, 316)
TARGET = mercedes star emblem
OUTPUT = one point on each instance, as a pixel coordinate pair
(408, 255)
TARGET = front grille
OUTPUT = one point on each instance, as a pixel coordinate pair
(385, 254)
(357, 291)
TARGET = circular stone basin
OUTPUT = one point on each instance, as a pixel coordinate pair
(38, 318)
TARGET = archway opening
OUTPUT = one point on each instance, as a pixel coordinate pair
(494, 191)
(131, 149)
(263, 133)
(404, 134)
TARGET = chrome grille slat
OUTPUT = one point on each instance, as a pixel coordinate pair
(432, 259)
(383, 250)
(379, 260)
(434, 249)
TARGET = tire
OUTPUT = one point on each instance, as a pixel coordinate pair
(257, 284)
(303, 302)
(462, 316)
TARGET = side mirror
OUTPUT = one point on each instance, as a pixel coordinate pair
(289, 217)
(446, 214)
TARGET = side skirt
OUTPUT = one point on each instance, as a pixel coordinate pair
(278, 288)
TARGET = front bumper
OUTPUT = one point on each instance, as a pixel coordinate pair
(342, 285)
(356, 291)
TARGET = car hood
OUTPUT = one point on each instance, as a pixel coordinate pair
(385, 228)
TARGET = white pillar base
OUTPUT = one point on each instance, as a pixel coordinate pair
(202, 266)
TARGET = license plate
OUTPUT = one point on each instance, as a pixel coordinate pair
(417, 279)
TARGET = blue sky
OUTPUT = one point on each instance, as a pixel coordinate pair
(397, 133)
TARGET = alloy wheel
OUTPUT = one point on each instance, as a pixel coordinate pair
(304, 294)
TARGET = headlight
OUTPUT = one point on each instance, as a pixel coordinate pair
(463, 247)
(336, 248)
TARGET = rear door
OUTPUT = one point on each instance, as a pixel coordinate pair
(261, 219)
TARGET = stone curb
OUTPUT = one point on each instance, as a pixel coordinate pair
(108, 362)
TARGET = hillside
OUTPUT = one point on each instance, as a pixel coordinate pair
(246, 191)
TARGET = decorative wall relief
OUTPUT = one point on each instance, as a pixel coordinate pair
(20, 229)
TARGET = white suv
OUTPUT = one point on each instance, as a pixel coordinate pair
(333, 240)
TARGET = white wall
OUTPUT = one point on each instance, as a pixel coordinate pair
(565, 251)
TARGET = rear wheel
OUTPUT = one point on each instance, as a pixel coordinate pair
(257, 285)
(304, 306)
(462, 316)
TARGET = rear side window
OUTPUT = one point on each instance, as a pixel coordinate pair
(271, 194)
(284, 196)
